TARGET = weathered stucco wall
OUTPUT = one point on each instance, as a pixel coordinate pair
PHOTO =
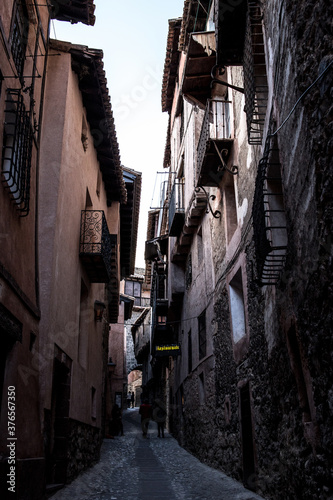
(68, 173)
(19, 300)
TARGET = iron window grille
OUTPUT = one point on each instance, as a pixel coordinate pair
(269, 219)
(19, 36)
(17, 150)
(255, 77)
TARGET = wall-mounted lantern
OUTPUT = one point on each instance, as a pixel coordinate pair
(111, 366)
(99, 310)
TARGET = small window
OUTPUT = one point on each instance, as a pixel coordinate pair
(237, 307)
(133, 288)
(161, 320)
(202, 335)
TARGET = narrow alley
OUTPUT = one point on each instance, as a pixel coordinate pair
(135, 468)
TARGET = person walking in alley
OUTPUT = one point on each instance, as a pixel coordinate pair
(159, 415)
(145, 411)
(132, 400)
(116, 423)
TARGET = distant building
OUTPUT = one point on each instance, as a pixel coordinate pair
(116, 390)
(136, 372)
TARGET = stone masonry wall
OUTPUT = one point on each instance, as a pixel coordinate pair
(289, 359)
(84, 444)
(293, 455)
(198, 435)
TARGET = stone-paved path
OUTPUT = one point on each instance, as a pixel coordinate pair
(134, 468)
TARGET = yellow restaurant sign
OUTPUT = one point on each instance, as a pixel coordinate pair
(167, 350)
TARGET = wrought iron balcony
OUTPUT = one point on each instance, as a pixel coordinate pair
(158, 295)
(269, 219)
(96, 246)
(214, 143)
(255, 77)
(176, 208)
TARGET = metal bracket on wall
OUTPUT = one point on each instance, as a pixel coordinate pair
(217, 213)
(234, 168)
(220, 82)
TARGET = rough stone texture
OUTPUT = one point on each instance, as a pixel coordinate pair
(131, 362)
(288, 363)
(294, 459)
(84, 444)
(227, 447)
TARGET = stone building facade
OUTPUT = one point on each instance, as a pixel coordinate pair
(244, 242)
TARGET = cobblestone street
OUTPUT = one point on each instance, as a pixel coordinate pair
(134, 468)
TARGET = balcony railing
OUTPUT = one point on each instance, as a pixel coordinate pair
(269, 219)
(255, 77)
(214, 143)
(176, 208)
(96, 246)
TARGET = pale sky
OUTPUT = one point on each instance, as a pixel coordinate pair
(132, 35)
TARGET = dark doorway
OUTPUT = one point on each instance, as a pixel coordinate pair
(56, 455)
(6, 345)
(249, 473)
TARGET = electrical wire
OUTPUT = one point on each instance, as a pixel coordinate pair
(300, 98)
